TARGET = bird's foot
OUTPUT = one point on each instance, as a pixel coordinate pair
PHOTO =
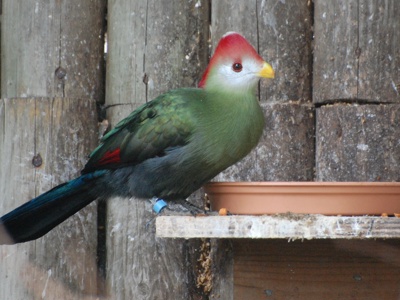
(193, 209)
(158, 207)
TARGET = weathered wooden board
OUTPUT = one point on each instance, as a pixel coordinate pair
(286, 149)
(317, 269)
(280, 226)
(59, 133)
(358, 143)
(356, 51)
(222, 269)
(161, 51)
(53, 49)
(281, 31)
(379, 40)
(285, 33)
(152, 47)
(229, 16)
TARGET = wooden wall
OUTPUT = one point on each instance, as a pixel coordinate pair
(356, 90)
(332, 115)
(52, 73)
(153, 47)
(355, 96)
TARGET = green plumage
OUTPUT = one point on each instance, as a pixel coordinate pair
(214, 129)
(147, 132)
(167, 148)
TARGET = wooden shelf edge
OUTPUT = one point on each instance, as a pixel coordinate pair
(280, 226)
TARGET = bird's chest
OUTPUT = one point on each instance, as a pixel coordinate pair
(230, 138)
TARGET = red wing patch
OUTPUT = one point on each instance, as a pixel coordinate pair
(110, 157)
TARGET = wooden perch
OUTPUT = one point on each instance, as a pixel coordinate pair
(280, 226)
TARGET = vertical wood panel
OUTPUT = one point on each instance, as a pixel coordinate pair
(52, 48)
(18, 167)
(153, 47)
(285, 151)
(358, 143)
(356, 51)
(318, 269)
(284, 37)
(335, 66)
(64, 261)
(281, 32)
(379, 40)
(240, 16)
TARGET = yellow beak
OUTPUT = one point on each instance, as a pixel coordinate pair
(266, 71)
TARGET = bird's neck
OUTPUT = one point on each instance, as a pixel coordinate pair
(235, 104)
(226, 89)
(234, 117)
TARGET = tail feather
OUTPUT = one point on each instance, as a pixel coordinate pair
(38, 216)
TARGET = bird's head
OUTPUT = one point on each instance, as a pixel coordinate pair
(235, 66)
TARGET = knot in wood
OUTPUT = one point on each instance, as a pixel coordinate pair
(37, 160)
(60, 73)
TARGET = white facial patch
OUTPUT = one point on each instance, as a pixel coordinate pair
(246, 78)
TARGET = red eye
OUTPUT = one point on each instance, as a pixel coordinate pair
(237, 67)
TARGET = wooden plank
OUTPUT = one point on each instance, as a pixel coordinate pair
(379, 40)
(280, 226)
(222, 269)
(356, 51)
(48, 51)
(58, 55)
(284, 38)
(153, 46)
(286, 149)
(289, 124)
(335, 65)
(317, 269)
(58, 133)
(225, 16)
(358, 143)
(228, 16)
(281, 31)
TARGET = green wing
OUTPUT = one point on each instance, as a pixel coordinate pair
(149, 131)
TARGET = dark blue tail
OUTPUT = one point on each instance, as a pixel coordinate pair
(38, 216)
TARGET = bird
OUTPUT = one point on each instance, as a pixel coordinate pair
(167, 148)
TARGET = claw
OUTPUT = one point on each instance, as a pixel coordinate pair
(193, 209)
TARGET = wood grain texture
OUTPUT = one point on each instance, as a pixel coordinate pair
(318, 269)
(63, 263)
(285, 33)
(280, 226)
(153, 47)
(285, 151)
(222, 269)
(281, 32)
(53, 49)
(379, 40)
(358, 143)
(164, 48)
(356, 53)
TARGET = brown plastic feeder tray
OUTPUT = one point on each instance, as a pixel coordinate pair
(328, 198)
